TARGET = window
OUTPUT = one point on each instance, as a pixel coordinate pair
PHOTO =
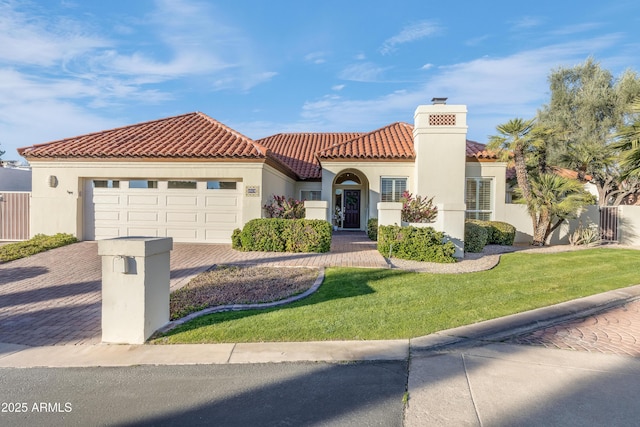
(143, 183)
(310, 195)
(478, 198)
(221, 185)
(106, 183)
(182, 185)
(391, 189)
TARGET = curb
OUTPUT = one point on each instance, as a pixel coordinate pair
(520, 323)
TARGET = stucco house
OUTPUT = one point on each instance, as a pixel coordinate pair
(193, 178)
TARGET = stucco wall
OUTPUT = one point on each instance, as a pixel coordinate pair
(60, 209)
(517, 215)
(373, 172)
(629, 225)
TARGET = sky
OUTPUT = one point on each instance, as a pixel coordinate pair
(70, 67)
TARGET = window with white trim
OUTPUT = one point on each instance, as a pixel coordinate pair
(478, 198)
(310, 195)
(391, 189)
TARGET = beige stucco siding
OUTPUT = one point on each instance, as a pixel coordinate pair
(60, 209)
(373, 172)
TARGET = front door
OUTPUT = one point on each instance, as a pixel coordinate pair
(351, 209)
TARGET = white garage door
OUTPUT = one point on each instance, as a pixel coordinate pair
(187, 210)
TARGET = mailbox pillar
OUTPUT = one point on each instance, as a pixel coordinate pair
(135, 287)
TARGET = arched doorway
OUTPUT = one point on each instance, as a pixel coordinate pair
(350, 200)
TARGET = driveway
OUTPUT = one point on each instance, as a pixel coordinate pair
(54, 298)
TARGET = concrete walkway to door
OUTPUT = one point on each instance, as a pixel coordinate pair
(54, 298)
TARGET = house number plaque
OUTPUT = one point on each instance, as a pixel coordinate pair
(252, 191)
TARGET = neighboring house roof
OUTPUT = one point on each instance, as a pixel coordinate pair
(196, 135)
(193, 135)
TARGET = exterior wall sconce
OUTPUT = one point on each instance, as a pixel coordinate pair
(53, 181)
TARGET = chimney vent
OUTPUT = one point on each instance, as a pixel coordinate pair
(437, 101)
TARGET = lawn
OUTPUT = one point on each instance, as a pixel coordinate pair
(367, 304)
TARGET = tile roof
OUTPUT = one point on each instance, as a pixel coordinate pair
(479, 151)
(196, 135)
(193, 135)
(394, 141)
(298, 150)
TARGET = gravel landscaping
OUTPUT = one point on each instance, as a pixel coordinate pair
(224, 285)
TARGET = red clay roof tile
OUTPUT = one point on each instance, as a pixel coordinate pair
(196, 135)
(298, 150)
(193, 135)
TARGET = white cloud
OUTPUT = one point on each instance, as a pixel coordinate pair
(362, 72)
(409, 34)
(316, 57)
(526, 22)
(426, 67)
(493, 89)
(338, 88)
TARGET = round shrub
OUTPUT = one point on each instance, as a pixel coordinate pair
(475, 237)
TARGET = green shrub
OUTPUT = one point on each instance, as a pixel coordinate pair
(39, 243)
(372, 229)
(418, 244)
(475, 236)
(417, 209)
(498, 233)
(280, 235)
(236, 239)
(307, 235)
(502, 233)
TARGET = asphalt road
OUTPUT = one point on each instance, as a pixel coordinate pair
(286, 394)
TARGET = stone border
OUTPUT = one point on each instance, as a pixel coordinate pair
(240, 307)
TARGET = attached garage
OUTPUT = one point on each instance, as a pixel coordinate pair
(189, 210)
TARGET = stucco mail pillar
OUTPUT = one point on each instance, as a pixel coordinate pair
(135, 288)
(440, 135)
(316, 209)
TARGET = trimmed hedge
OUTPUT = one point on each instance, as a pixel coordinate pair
(413, 243)
(283, 235)
(499, 233)
(372, 229)
(38, 243)
(476, 236)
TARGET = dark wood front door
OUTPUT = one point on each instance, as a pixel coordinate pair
(351, 209)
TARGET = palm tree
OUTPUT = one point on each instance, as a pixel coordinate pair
(513, 139)
(554, 199)
(629, 144)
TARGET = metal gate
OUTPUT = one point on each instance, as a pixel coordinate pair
(609, 223)
(14, 215)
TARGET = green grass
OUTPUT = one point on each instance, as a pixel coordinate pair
(366, 304)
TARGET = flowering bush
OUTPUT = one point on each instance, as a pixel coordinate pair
(417, 209)
(286, 208)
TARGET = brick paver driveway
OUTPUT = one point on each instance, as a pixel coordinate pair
(613, 331)
(53, 298)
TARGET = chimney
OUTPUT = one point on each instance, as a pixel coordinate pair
(439, 140)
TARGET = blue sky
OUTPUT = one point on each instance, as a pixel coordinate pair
(71, 67)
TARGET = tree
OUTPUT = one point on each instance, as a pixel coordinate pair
(554, 200)
(550, 199)
(1, 154)
(629, 144)
(587, 106)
